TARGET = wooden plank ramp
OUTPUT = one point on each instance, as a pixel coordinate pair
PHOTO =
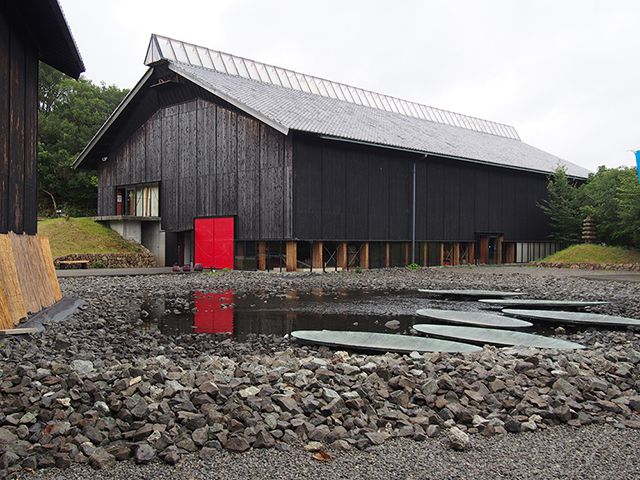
(28, 281)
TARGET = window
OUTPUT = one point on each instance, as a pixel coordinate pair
(138, 201)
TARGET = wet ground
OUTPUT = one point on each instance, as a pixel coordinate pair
(242, 315)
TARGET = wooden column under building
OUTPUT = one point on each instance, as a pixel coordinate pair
(262, 255)
(342, 255)
(511, 252)
(292, 256)
(406, 250)
(441, 253)
(499, 243)
(387, 255)
(456, 253)
(316, 255)
(364, 255)
(471, 253)
(484, 250)
(425, 254)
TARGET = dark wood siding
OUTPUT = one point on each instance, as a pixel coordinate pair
(18, 127)
(210, 160)
(348, 192)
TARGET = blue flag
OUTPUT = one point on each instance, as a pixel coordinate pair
(637, 152)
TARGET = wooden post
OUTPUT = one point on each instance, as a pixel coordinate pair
(262, 255)
(342, 255)
(292, 256)
(456, 253)
(471, 253)
(484, 250)
(511, 252)
(387, 256)
(441, 253)
(407, 253)
(499, 248)
(425, 254)
(316, 255)
(364, 255)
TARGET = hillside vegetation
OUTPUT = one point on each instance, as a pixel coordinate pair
(591, 253)
(83, 235)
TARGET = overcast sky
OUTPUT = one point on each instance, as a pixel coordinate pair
(564, 73)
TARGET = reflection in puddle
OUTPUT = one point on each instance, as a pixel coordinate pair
(226, 312)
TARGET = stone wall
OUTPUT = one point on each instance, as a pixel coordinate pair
(633, 267)
(112, 260)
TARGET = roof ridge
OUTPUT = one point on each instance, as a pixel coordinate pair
(166, 48)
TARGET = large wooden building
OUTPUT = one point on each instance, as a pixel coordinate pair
(30, 31)
(229, 162)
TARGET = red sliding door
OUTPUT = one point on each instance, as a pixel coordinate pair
(214, 242)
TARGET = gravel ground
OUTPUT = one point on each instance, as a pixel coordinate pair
(561, 453)
(100, 386)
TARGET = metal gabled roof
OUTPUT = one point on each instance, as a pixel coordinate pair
(165, 48)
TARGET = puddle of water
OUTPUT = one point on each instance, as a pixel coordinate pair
(240, 316)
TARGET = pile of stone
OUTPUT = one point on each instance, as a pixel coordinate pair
(266, 393)
(632, 267)
(142, 259)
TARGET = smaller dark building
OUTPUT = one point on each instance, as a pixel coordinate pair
(233, 163)
(29, 31)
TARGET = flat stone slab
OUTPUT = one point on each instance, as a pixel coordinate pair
(480, 319)
(532, 303)
(496, 336)
(578, 318)
(470, 293)
(386, 342)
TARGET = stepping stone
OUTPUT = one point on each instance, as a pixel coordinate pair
(480, 319)
(533, 303)
(386, 342)
(496, 336)
(578, 318)
(471, 293)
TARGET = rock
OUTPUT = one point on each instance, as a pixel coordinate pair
(512, 425)
(101, 459)
(341, 445)
(376, 438)
(264, 440)
(82, 367)
(314, 447)
(7, 437)
(200, 436)
(236, 443)
(392, 324)
(249, 392)
(285, 402)
(171, 455)
(144, 453)
(458, 440)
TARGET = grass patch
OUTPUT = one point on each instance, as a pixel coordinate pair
(83, 235)
(590, 253)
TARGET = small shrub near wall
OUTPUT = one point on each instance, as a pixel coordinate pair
(112, 260)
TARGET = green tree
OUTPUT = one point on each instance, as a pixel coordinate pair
(70, 113)
(562, 206)
(612, 198)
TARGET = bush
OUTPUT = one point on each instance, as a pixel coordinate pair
(413, 267)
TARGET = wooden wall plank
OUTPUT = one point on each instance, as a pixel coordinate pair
(248, 145)
(271, 184)
(30, 214)
(17, 158)
(5, 95)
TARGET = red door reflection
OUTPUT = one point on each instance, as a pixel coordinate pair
(214, 313)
